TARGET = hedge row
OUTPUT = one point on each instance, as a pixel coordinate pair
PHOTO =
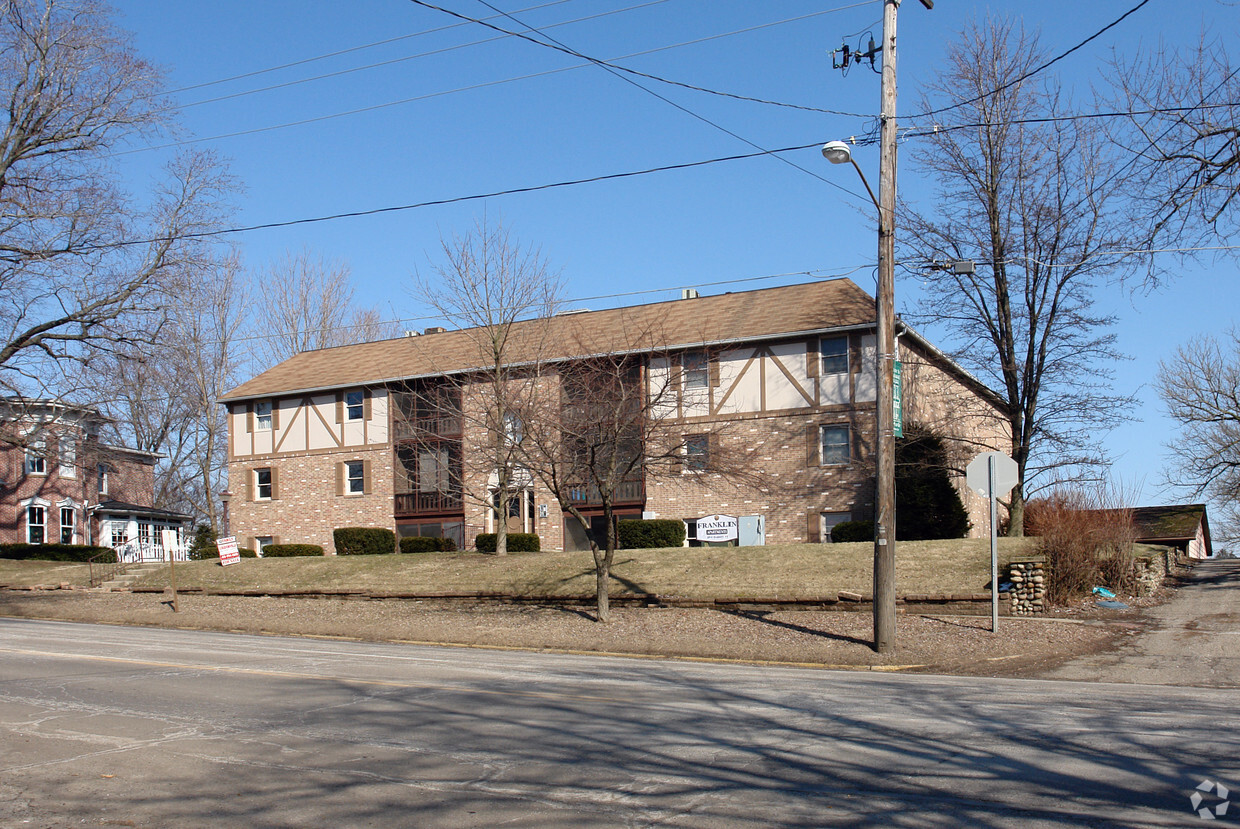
(647, 534)
(289, 550)
(364, 541)
(517, 543)
(52, 552)
(427, 544)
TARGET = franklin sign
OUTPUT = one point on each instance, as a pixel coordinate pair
(718, 528)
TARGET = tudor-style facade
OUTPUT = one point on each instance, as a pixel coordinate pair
(59, 483)
(387, 434)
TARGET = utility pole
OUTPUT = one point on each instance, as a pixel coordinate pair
(885, 414)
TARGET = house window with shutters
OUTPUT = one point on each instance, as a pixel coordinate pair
(355, 405)
(264, 484)
(696, 370)
(697, 453)
(353, 478)
(262, 415)
(835, 445)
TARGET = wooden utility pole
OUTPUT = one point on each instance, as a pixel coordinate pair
(885, 485)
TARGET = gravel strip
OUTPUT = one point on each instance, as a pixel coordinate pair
(924, 642)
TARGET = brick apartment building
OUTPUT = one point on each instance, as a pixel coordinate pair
(782, 376)
(59, 483)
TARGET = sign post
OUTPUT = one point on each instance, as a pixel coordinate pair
(171, 548)
(992, 474)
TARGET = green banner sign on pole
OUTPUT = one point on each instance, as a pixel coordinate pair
(897, 399)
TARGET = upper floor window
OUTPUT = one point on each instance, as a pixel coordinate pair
(835, 445)
(102, 472)
(68, 457)
(36, 460)
(36, 525)
(696, 370)
(514, 429)
(263, 488)
(66, 525)
(262, 415)
(834, 355)
(355, 405)
(697, 453)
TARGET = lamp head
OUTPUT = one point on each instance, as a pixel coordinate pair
(837, 152)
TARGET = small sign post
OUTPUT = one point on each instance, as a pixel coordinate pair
(229, 554)
(993, 474)
(171, 548)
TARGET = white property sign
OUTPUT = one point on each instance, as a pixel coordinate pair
(718, 528)
(229, 554)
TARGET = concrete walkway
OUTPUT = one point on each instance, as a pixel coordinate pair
(1194, 639)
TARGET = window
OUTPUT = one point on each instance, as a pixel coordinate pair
(834, 355)
(120, 533)
(262, 415)
(261, 541)
(36, 463)
(262, 484)
(696, 370)
(102, 472)
(355, 477)
(829, 520)
(835, 449)
(697, 453)
(514, 429)
(68, 457)
(355, 405)
(66, 525)
(36, 525)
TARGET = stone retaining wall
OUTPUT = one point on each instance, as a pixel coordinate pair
(1028, 593)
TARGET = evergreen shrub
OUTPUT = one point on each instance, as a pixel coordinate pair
(427, 544)
(517, 543)
(289, 550)
(364, 541)
(650, 533)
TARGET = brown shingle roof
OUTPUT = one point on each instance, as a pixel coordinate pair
(725, 318)
(1175, 522)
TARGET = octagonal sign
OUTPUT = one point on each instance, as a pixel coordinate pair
(978, 478)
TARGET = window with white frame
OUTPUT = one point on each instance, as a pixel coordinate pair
(262, 484)
(102, 472)
(696, 370)
(36, 524)
(261, 541)
(834, 352)
(514, 429)
(120, 533)
(355, 477)
(66, 525)
(829, 522)
(355, 405)
(262, 415)
(36, 460)
(68, 457)
(835, 445)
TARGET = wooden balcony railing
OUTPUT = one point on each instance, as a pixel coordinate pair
(426, 503)
(628, 492)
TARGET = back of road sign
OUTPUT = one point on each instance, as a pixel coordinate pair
(978, 478)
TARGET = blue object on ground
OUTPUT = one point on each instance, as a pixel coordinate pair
(1104, 593)
(1112, 605)
(1005, 587)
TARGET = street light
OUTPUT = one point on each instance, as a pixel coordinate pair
(837, 152)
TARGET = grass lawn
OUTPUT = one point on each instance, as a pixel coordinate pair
(784, 571)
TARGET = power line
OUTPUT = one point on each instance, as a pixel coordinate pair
(560, 46)
(1033, 72)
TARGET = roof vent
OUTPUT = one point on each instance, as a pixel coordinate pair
(413, 333)
(435, 329)
(689, 293)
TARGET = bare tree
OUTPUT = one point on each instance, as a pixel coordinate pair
(487, 285)
(306, 303)
(164, 397)
(1035, 205)
(613, 428)
(1200, 386)
(85, 267)
(1181, 142)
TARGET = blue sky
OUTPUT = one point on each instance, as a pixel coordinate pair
(480, 117)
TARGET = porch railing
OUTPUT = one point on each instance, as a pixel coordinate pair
(627, 492)
(105, 566)
(424, 503)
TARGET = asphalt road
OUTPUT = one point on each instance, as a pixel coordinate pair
(114, 726)
(1193, 639)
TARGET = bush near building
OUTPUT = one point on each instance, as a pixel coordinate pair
(427, 544)
(650, 533)
(52, 552)
(1086, 543)
(290, 550)
(364, 541)
(517, 543)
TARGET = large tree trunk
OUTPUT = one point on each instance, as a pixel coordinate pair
(602, 581)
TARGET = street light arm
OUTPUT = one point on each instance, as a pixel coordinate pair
(867, 187)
